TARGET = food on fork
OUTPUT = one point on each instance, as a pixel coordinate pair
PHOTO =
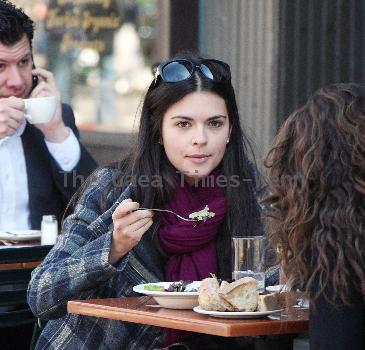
(202, 215)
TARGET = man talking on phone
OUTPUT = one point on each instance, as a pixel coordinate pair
(40, 162)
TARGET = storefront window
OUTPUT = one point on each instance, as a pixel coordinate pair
(100, 52)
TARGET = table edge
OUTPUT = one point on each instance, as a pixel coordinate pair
(272, 327)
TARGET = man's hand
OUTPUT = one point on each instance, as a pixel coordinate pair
(55, 130)
(11, 115)
(129, 226)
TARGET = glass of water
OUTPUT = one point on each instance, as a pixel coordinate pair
(247, 259)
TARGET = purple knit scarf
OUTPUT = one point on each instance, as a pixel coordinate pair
(191, 246)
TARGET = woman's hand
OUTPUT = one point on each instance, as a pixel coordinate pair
(129, 226)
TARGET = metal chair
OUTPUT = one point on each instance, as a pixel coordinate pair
(14, 310)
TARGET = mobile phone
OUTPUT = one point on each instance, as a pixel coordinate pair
(34, 78)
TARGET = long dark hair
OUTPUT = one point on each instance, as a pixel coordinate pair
(316, 174)
(14, 23)
(147, 159)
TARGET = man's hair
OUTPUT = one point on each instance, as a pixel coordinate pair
(14, 23)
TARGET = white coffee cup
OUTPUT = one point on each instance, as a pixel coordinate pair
(40, 109)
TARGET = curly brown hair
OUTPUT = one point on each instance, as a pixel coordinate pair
(316, 171)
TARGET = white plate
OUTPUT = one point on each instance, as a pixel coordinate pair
(20, 235)
(234, 314)
(170, 300)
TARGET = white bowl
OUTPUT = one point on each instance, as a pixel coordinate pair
(177, 302)
(171, 300)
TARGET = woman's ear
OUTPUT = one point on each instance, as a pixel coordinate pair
(160, 141)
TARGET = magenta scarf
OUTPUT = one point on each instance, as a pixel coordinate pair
(191, 246)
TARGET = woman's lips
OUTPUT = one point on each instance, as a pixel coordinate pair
(198, 158)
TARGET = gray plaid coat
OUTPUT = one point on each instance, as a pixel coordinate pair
(78, 268)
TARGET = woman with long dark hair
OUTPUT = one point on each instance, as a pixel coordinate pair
(316, 172)
(190, 152)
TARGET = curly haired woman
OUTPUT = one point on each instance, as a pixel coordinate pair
(316, 172)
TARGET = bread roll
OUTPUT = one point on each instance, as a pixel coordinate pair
(268, 302)
(241, 294)
(209, 298)
(275, 301)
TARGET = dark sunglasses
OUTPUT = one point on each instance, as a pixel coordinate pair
(181, 69)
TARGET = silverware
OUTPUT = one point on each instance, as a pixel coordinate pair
(167, 211)
(171, 212)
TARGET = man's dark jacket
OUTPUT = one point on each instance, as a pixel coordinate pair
(50, 188)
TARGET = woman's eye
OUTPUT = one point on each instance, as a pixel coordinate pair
(183, 124)
(215, 123)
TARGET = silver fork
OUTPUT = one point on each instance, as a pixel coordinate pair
(171, 212)
(167, 211)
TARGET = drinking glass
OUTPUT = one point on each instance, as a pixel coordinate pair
(247, 259)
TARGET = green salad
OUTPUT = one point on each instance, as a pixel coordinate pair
(154, 288)
(178, 286)
(202, 215)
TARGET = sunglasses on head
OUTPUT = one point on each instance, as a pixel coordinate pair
(181, 69)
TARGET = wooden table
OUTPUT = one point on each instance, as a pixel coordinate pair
(144, 310)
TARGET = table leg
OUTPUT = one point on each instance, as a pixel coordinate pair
(275, 342)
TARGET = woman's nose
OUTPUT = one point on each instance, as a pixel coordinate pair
(199, 137)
